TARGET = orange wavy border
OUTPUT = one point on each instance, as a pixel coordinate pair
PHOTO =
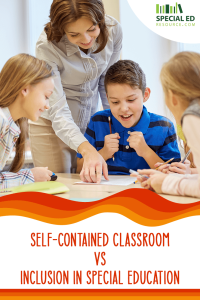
(139, 205)
(97, 293)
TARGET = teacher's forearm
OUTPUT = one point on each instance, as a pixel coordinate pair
(85, 148)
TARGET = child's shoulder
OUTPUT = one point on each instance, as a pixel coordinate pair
(158, 120)
(4, 116)
(101, 115)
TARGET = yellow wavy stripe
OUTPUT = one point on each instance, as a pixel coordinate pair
(94, 211)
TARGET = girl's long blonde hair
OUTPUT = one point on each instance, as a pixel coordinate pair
(18, 72)
(181, 75)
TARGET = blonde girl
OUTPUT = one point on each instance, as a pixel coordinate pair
(26, 83)
(180, 78)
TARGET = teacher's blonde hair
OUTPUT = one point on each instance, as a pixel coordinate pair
(18, 72)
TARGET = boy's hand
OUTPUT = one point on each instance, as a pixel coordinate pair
(111, 144)
(41, 174)
(136, 141)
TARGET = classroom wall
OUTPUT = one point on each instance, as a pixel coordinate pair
(38, 11)
(13, 34)
(23, 21)
(148, 49)
(112, 8)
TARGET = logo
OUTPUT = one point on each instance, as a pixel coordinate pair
(168, 9)
(172, 16)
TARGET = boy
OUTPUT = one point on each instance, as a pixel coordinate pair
(137, 139)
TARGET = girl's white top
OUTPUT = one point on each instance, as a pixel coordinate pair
(9, 133)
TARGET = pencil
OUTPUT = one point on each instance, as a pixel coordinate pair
(136, 173)
(111, 133)
(159, 166)
(165, 163)
(186, 156)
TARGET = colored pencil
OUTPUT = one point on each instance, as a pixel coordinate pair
(159, 166)
(111, 133)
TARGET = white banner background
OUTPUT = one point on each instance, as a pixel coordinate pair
(145, 10)
(16, 253)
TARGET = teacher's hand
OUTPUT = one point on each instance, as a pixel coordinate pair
(93, 164)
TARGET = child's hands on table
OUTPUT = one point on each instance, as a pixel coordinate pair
(41, 174)
(155, 181)
(176, 167)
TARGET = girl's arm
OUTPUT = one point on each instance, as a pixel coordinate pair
(188, 185)
(176, 184)
(9, 133)
(9, 179)
(194, 170)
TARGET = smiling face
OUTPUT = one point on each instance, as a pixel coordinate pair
(126, 103)
(82, 33)
(36, 98)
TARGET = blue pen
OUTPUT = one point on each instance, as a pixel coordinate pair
(136, 173)
(53, 177)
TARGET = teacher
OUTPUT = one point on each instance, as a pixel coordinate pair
(80, 43)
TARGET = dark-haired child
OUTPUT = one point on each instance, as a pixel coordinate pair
(139, 139)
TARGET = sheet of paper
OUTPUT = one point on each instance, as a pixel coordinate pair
(117, 180)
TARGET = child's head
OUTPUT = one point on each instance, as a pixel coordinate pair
(27, 82)
(83, 21)
(180, 78)
(126, 90)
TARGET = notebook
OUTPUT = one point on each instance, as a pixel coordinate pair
(48, 187)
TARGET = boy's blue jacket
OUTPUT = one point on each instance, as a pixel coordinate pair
(159, 134)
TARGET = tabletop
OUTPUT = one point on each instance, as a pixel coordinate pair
(95, 192)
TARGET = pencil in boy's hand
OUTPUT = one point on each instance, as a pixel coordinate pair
(111, 133)
(164, 163)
